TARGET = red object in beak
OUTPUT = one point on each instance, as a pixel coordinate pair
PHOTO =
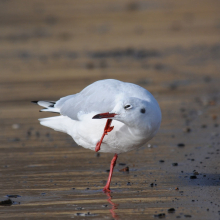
(104, 115)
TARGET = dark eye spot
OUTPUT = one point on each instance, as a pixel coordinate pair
(142, 110)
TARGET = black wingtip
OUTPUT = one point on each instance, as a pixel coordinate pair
(35, 102)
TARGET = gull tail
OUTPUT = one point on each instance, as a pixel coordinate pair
(49, 106)
(58, 123)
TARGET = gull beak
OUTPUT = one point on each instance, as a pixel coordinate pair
(104, 115)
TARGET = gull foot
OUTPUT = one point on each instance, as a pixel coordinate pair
(106, 190)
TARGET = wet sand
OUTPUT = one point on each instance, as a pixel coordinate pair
(52, 49)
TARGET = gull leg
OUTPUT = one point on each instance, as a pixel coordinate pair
(107, 129)
(113, 162)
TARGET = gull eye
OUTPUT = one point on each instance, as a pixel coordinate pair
(142, 110)
(128, 106)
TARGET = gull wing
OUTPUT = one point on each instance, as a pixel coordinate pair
(98, 97)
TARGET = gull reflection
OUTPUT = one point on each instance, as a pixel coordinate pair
(114, 206)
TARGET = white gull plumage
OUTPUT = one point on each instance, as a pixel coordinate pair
(135, 112)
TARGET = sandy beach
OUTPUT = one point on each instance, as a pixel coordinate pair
(50, 49)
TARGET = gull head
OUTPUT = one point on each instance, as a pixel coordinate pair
(135, 113)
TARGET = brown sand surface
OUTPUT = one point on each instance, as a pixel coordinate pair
(53, 48)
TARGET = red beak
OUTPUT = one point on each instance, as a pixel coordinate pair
(104, 115)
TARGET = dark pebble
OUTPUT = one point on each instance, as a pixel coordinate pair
(80, 214)
(151, 184)
(128, 184)
(207, 79)
(122, 164)
(181, 145)
(89, 65)
(126, 169)
(79, 208)
(7, 202)
(104, 206)
(29, 133)
(107, 171)
(47, 135)
(193, 177)
(161, 161)
(15, 139)
(187, 216)
(37, 134)
(171, 210)
(132, 6)
(85, 214)
(161, 215)
(13, 196)
(187, 130)
(175, 164)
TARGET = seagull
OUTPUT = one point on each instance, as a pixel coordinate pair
(108, 116)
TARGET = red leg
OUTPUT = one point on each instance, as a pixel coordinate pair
(113, 162)
(107, 129)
